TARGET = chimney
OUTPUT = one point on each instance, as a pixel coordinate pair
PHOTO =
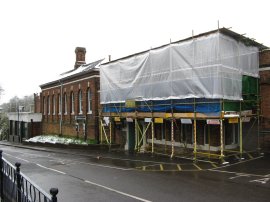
(80, 56)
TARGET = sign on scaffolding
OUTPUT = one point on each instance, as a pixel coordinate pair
(130, 104)
(233, 120)
(148, 120)
(158, 120)
(129, 120)
(213, 121)
(186, 121)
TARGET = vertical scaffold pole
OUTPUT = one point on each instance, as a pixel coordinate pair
(241, 131)
(172, 138)
(101, 125)
(152, 136)
(195, 132)
(221, 140)
(195, 138)
(221, 130)
(136, 134)
(110, 131)
(241, 137)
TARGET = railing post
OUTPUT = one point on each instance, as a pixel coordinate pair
(1, 177)
(18, 179)
(54, 192)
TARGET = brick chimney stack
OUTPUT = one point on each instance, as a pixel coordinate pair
(80, 56)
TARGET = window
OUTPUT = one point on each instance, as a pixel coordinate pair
(65, 103)
(72, 103)
(59, 104)
(48, 105)
(89, 101)
(44, 105)
(53, 100)
(80, 102)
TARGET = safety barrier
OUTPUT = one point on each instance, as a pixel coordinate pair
(16, 187)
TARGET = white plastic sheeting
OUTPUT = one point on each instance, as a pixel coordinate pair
(205, 67)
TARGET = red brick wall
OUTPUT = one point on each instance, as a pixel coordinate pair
(265, 89)
(264, 58)
(51, 122)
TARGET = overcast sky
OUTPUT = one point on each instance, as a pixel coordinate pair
(38, 37)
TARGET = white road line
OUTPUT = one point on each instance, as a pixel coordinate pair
(17, 158)
(119, 192)
(229, 165)
(236, 173)
(240, 175)
(58, 171)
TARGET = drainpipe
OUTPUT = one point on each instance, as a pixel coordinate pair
(61, 104)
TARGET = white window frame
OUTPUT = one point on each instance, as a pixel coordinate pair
(65, 104)
(44, 105)
(59, 104)
(49, 105)
(89, 101)
(80, 102)
(72, 103)
(53, 99)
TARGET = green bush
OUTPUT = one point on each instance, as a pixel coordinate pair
(4, 126)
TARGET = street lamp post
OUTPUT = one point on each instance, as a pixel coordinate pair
(18, 128)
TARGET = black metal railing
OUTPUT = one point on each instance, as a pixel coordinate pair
(16, 187)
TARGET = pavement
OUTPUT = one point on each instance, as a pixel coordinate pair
(143, 161)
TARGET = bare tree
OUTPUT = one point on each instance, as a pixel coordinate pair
(1, 91)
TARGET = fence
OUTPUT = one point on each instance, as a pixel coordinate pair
(16, 187)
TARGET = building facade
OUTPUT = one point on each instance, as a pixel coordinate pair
(265, 98)
(69, 105)
(200, 93)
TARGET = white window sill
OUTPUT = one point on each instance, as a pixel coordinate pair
(89, 112)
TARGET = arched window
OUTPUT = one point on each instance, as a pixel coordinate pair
(89, 101)
(80, 102)
(44, 105)
(72, 104)
(48, 105)
(59, 104)
(53, 100)
(65, 103)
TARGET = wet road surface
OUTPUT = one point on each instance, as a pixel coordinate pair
(97, 176)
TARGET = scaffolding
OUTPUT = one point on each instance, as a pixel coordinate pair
(208, 81)
(145, 122)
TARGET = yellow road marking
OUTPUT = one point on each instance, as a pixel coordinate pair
(179, 167)
(249, 155)
(161, 167)
(197, 166)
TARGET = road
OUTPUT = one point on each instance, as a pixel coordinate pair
(103, 177)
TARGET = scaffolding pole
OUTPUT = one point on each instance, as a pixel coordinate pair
(110, 126)
(172, 138)
(195, 132)
(221, 140)
(100, 126)
(241, 137)
(152, 136)
(241, 131)
(136, 134)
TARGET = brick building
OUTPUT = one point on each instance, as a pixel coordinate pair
(69, 104)
(265, 97)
